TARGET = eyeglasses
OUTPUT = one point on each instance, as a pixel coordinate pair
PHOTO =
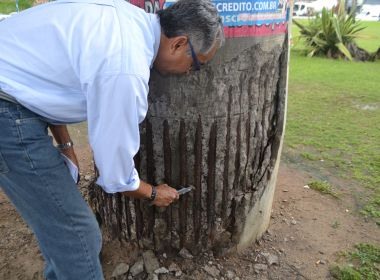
(196, 63)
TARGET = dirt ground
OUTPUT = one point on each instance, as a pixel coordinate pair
(307, 231)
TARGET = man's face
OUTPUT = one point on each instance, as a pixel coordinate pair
(174, 56)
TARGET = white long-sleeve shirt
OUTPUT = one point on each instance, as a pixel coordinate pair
(74, 60)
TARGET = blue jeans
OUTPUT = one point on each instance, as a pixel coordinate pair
(34, 177)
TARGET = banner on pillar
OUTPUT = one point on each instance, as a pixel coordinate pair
(240, 18)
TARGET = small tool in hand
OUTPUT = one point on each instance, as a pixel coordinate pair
(185, 189)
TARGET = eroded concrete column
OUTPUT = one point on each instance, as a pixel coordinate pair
(220, 130)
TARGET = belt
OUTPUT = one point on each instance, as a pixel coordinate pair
(5, 96)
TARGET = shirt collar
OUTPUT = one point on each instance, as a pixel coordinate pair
(157, 35)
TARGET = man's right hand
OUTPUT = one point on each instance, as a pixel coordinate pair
(165, 196)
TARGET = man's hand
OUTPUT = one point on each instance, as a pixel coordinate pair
(61, 136)
(70, 153)
(165, 196)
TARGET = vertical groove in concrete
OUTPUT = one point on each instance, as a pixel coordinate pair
(197, 211)
(110, 214)
(128, 217)
(236, 183)
(227, 159)
(119, 214)
(168, 172)
(139, 219)
(183, 203)
(151, 213)
(248, 143)
(211, 178)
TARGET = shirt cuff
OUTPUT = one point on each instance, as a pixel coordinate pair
(132, 185)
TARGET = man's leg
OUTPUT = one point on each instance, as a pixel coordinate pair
(34, 177)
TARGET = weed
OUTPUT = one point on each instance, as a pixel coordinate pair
(335, 225)
(372, 209)
(364, 263)
(309, 156)
(323, 187)
(345, 273)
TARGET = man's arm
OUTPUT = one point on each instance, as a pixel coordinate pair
(62, 136)
(165, 194)
(116, 104)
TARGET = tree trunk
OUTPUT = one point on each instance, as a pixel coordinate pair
(220, 130)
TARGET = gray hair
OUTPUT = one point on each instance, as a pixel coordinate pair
(197, 19)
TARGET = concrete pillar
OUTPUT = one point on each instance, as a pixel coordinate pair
(220, 130)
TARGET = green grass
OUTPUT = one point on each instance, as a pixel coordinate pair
(372, 209)
(334, 113)
(334, 107)
(322, 187)
(363, 264)
(309, 156)
(370, 37)
(9, 6)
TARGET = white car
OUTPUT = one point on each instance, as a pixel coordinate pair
(302, 9)
(311, 8)
(317, 6)
(369, 13)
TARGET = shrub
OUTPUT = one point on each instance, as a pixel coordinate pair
(333, 35)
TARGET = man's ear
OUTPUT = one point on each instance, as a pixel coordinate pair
(178, 43)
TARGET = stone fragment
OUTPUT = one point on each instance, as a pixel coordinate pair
(271, 259)
(212, 270)
(150, 261)
(320, 262)
(260, 268)
(152, 276)
(184, 253)
(173, 267)
(230, 274)
(120, 269)
(161, 270)
(137, 268)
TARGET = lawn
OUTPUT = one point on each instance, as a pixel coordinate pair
(334, 114)
(9, 6)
